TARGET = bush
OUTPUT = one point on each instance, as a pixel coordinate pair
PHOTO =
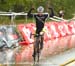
(18, 8)
(24, 5)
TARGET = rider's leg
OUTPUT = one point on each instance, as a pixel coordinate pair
(38, 50)
(35, 49)
(34, 54)
(41, 43)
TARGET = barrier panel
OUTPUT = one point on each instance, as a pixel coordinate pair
(71, 42)
(58, 37)
(71, 27)
(31, 27)
(47, 34)
(53, 31)
(63, 29)
(25, 32)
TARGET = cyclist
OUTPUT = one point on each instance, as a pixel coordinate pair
(40, 18)
(61, 13)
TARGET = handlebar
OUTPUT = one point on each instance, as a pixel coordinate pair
(35, 35)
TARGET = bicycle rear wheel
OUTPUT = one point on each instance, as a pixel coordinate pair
(38, 55)
(34, 53)
(38, 49)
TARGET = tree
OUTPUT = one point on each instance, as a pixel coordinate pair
(3, 1)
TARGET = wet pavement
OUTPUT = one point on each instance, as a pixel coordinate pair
(55, 60)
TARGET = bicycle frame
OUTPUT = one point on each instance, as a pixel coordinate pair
(37, 46)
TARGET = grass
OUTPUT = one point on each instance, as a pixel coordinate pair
(7, 21)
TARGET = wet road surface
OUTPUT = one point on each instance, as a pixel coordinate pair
(55, 60)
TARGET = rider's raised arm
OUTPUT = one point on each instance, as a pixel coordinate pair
(51, 12)
(29, 13)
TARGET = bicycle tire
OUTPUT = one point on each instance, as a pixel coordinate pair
(36, 49)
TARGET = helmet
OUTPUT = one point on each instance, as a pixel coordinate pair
(40, 9)
(61, 12)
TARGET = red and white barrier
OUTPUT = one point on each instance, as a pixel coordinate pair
(58, 37)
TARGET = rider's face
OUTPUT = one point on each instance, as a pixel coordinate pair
(40, 13)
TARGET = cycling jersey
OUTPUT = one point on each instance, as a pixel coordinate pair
(40, 20)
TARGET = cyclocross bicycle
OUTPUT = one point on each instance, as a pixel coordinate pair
(38, 45)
